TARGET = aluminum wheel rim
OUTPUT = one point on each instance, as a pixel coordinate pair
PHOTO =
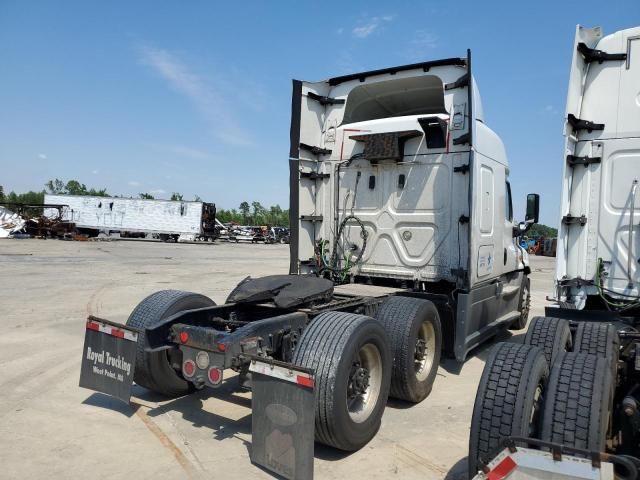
(425, 350)
(361, 401)
(537, 402)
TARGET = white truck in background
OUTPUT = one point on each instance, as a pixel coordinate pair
(165, 218)
(566, 402)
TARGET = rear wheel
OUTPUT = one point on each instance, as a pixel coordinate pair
(413, 325)
(553, 335)
(577, 402)
(154, 370)
(508, 401)
(352, 361)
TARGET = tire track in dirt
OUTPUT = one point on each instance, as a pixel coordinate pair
(186, 464)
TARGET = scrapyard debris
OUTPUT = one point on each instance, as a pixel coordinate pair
(10, 223)
(33, 222)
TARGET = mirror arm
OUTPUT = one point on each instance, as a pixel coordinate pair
(523, 227)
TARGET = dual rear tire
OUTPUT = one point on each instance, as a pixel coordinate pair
(360, 361)
(542, 390)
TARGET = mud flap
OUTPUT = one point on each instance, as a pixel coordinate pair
(108, 358)
(283, 418)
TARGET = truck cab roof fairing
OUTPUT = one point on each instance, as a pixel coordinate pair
(394, 98)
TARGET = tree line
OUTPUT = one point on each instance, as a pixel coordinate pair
(540, 230)
(246, 214)
(255, 214)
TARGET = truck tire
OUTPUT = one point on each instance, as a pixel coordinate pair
(553, 335)
(413, 326)
(508, 401)
(598, 339)
(523, 305)
(352, 360)
(577, 402)
(154, 370)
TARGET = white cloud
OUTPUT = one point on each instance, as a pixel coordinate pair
(425, 39)
(370, 25)
(133, 183)
(42, 156)
(550, 109)
(95, 172)
(340, 31)
(419, 45)
(201, 92)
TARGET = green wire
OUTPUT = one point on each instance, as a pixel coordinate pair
(631, 304)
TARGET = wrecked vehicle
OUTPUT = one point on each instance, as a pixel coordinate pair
(10, 222)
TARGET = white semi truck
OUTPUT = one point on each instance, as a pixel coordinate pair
(166, 218)
(402, 245)
(572, 389)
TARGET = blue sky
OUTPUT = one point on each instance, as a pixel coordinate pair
(194, 97)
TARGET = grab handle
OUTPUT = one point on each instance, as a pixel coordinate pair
(634, 189)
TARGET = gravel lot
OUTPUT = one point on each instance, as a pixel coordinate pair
(51, 428)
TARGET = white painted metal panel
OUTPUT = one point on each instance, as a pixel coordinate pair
(129, 214)
(602, 192)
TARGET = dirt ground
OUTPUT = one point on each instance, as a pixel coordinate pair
(51, 428)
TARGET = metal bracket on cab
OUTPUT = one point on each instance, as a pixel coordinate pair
(462, 139)
(463, 81)
(571, 220)
(315, 150)
(311, 218)
(579, 124)
(593, 55)
(325, 100)
(573, 160)
(314, 175)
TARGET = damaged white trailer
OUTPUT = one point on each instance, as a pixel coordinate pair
(189, 220)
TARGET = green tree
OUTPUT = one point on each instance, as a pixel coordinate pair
(540, 230)
(55, 186)
(73, 187)
(146, 196)
(244, 209)
(258, 212)
(176, 196)
(197, 198)
(1, 194)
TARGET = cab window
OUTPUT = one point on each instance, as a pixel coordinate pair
(508, 208)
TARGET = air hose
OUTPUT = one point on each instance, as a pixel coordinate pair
(338, 268)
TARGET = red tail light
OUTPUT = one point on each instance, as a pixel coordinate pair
(184, 337)
(215, 375)
(189, 368)
(221, 347)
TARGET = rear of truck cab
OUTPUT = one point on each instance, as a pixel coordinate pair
(600, 201)
(395, 179)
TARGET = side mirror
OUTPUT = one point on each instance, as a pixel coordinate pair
(533, 208)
